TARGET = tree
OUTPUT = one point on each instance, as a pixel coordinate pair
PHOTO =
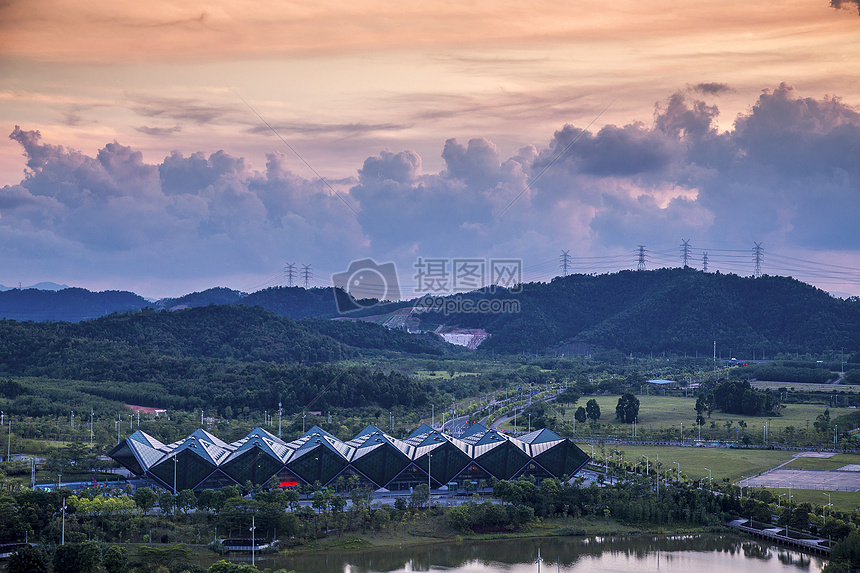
(704, 403)
(29, 560)
(569, 396)
(592, 410)
(227, 567)
(165, 502)
(78, 557)
(580, 415)
(145, 499)
(627, 409)
(822, 422)
(185, 500)
(380, 519)
(419, 496)
(207, 501)
(846, 552)
(115, 559)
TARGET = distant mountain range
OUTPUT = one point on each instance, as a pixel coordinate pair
(665, 310)
(37, 286)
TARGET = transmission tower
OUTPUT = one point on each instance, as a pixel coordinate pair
(307, 274)
(642, 252)
(685, 251)
(290, 272)
(758, 256)
(564, 262)
(705, 262)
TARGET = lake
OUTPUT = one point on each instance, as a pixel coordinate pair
(698, 553)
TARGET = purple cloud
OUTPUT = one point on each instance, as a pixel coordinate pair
(786, 173)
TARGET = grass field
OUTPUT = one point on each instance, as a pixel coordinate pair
(667, 412)
(806, 387)
(737, 463)
(723, 462)
(831, 463)
(842, 500)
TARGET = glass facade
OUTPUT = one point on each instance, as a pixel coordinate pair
(503, 461)
(318, 465)
(382, 464)
(254, 465)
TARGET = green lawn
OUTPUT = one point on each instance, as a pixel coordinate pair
(842, 500)
(670, 412)
(723, 462)
(831, 463)
(806, 387)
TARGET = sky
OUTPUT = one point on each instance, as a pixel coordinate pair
(166, 148)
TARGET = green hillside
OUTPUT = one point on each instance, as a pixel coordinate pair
(672, 310)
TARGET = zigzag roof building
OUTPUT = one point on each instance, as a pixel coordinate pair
(373, 457)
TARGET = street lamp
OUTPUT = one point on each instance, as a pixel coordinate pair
(679, 471)
(710, 481)
(253, 542)
(429, 459)
(828, 504)
(779, 498)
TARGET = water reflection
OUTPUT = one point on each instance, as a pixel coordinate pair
(681, 554)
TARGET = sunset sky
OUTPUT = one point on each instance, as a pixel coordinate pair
(139, 158)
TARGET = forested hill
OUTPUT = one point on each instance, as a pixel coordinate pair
(76, 304)
(114, 344)
(70, 304)
(674, 310)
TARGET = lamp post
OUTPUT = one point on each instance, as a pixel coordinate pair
(679, 471)
(828, 504)
(175, 463)
(253, 543)
(710, 481)
(779, 498)
(63, 534)
(429, 459)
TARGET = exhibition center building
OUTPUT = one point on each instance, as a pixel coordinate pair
(378, 460)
